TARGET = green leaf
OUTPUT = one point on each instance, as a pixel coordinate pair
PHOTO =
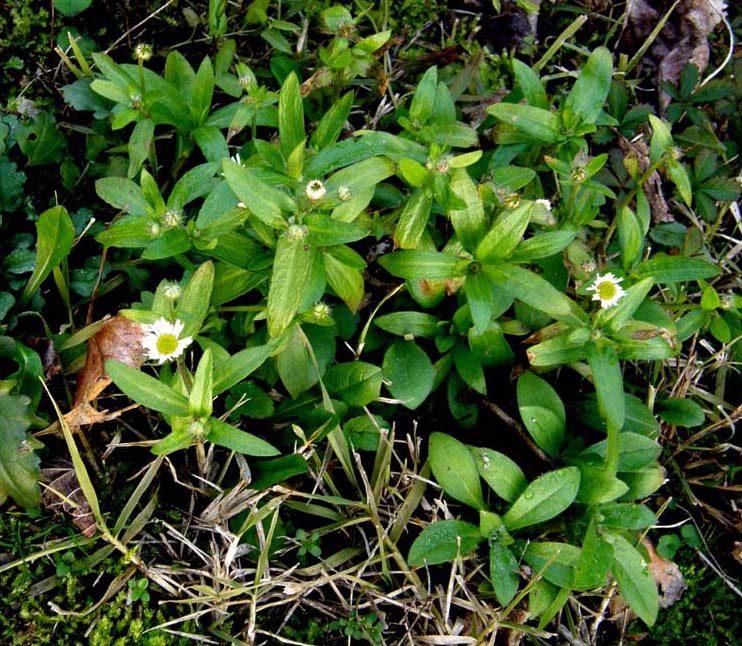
(635, 581)
(239, 366)
(202, 92)
(211, 143)
(414, 173)
(41, 140)
(413, 219)
(54, 236)
(542, 412)
(237, 440)
(325, 231)
(423, 264)
(469, 220)
(267, 473)
(681, 412)
(442, 542)
(423, 100)
(585, 101)
(295, 365)
(409, 324)
(546, 497)
(596, 557)
(505, 234)
(542, 245)
(70, 8)
(624, 515)
(597, 486)
(608, 382)
(193, 304)
(537, 292)
(409, 371)
(455, 469)
(643, 483)
(357, 383)
(614, 318)
(291, 271)
(504, 572)
(661, 143)
(290, 115)
(19, 465)
(199, 399)
(140, 144)
(146, 390)
(634, 451)
(539, 125)
(630, 236)
(122, 194)
(469, 366)
(263, 200)
(561, 558)
(530, 84)
(503, 475)
(332, 122)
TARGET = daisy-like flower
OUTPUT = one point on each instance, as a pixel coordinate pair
(161, 341)
(315, 190)
(607, 290)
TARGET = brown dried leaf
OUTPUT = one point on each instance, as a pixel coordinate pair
(64, 495)
(119, 339)
(639, 151)
(667, 574)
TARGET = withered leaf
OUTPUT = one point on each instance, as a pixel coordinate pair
(64, 495)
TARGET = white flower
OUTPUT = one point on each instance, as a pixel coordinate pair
(236, 159)
(143, 52)
(545, 203)
(607, 290)
(172, 218)
(344, 193)
(161, 342)
(315, 190)
(171, 291)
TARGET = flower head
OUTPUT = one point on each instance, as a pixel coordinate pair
(607, 290)
(161, 341)
(143, 52)
(171, 291)
(315, 190)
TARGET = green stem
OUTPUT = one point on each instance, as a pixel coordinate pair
(611, 457)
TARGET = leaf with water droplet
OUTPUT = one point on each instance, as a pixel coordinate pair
(546, 497)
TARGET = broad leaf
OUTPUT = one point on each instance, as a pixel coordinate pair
(503, 475)
(409, 372)
(542, 412)
(546, 497)
(357, 383)
(608, 382)
(635, 581)
(442, 542)
(54, 237)
(233, 438)
(455, 469)
(146, 390)
(19, 465)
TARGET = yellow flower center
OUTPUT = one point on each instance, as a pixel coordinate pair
(167, 344)
(606, 290)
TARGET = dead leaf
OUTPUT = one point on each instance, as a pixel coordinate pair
(667, 574)
(639, 151)
(120, 339)
(64, 495)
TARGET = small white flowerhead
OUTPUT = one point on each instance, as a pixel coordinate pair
(607, 290)
(143, 52)
(161, 340)
(321, 311)
(172, 218)
(155, 230)
(236, 159)
(315, 190)
(344, 193)
(545, 203)
(171, 291)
